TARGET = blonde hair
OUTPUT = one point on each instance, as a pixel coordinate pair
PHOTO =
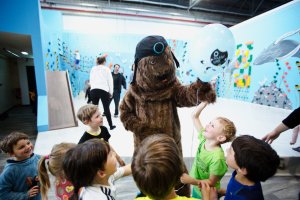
(86, 112)
(229, 129)
(55, 163)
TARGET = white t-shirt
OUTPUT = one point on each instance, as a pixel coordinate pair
(101, 78)
(77, 56)
(102, 192)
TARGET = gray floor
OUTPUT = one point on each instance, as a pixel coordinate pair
(284, 185)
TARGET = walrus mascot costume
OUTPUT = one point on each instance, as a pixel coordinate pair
(150, 104)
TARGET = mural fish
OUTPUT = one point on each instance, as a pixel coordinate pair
(280, 49)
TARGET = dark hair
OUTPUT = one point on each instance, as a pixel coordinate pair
(116, 64)
(101, 60)
(82, 163)
(12, 139)
(157, 166)
(256, 156)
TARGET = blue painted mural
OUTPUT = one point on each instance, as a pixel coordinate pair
(263, 70)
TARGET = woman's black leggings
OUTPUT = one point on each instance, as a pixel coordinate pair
(96, 95)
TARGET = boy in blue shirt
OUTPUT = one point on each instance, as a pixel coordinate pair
(253, 161)
(19, 179)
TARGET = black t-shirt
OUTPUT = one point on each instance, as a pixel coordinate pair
(119, 81)
(104, 134)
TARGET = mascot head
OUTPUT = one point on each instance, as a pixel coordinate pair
(154, 64)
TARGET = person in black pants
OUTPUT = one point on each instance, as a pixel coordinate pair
(101, 82)
(88, 94)
(119, 81)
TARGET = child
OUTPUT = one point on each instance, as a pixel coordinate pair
(93, 166)
(91, 116)
(19, 179)
(253, 160)
(53, 162)
(156, 169)
(209, 164)
(77, 59)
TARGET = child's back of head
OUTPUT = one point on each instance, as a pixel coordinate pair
(157, 166)
(82, 163)
(256, 156)
(53, 162)
(86, 112)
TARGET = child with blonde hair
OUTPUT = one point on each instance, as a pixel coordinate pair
(91, 116)
(209, 164)
(19, 178)
(92, 166)
(53, 163)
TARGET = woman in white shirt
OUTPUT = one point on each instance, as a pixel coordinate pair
(101, 82)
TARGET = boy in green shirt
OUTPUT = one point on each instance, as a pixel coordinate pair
(209, 165)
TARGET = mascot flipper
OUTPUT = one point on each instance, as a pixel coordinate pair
(150, 104)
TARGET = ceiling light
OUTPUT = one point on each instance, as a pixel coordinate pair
(174, 13)
(10, 52)
(138, 9)
(88, 4)
(24, 53)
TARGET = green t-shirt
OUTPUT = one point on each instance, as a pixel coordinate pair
(207, 163)
(176, 198)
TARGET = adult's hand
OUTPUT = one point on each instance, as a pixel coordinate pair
(270, 137)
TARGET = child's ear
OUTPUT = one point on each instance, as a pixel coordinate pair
(221, 138)
(101, 174)
(85, 122)
(243, 171)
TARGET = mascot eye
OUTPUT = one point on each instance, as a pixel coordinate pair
(152, 62)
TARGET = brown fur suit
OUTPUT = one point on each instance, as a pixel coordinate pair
(150, 104)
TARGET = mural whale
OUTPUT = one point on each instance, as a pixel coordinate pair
(280, 49)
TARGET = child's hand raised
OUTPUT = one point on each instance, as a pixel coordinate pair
(33, 191)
